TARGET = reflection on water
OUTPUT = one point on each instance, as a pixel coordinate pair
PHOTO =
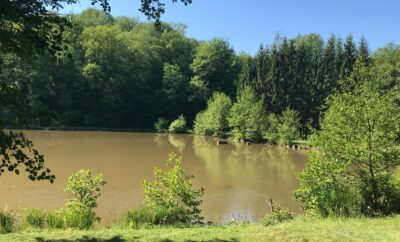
(237, 178)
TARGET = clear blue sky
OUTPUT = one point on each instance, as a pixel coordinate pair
(248, 23)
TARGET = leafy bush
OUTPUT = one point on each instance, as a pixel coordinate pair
(327, 189)
(77, 215)
(213, 120)
(246, 116)
(277, 216)
(282, 129)
(356, 153)
(7, 220)
(271, 131)
(178, 125)
(288, 129)
(172, 196)
(161, 126)
(35, 218)
(85, 190)
(201, 125)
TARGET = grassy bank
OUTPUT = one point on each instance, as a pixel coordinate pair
(300, 229)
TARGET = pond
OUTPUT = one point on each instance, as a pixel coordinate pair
(238, 179)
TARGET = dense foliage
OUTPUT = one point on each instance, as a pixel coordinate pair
(171, 196)
(213, 120)
(85, 190)
(123, 73)
(33, 30)
(246, 116)
(178, 126)
(352, 170)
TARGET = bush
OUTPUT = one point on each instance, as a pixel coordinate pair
(172, 196)
(213, 120)
(356, 152)
(7, 220)
(271, 131)
(178, 125)
(85, 190)
(246, 117)
(79, 216)
(277, 216)
(35, 218)
(288, 129)
(161, 126)
(326, 189)
(201, 124)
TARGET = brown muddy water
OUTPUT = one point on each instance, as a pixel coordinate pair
(237, 178)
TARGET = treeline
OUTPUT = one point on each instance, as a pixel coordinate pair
(123, 73)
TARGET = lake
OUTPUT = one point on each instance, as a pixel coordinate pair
(237, 178)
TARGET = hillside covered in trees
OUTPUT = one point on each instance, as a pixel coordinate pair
(118, 72)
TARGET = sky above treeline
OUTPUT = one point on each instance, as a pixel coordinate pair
(248, 23)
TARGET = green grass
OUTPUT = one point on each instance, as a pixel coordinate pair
(299, 229)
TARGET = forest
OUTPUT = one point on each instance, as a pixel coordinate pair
(118, 72)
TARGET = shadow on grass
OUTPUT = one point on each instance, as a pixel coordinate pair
(119, 239)
(214, 240)
(87, 239)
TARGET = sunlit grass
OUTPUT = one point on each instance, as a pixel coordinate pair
(300, 229)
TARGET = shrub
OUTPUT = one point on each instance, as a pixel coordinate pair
(356, 153)
(271, 131)
(35, 218)
(201, 124)
(79, 216)
(246, 117)
(278, 215)
(85, 190)
(213, 120)
(7, 220)
(327, 189)
(161, 126)
(172, 196)
(288, 129)
(178, 125)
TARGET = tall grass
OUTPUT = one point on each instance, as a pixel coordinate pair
(7, 220)
(35, 218)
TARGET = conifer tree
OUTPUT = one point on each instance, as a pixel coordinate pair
(363, 52)
(349, 57)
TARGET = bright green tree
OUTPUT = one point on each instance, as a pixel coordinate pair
(85, 190)
(172, 190)
(289, 126)
(246, 117)
(356, 152)
(216, 66)
(213, 120)
(178, 125)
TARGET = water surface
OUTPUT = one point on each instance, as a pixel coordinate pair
(237, 178)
